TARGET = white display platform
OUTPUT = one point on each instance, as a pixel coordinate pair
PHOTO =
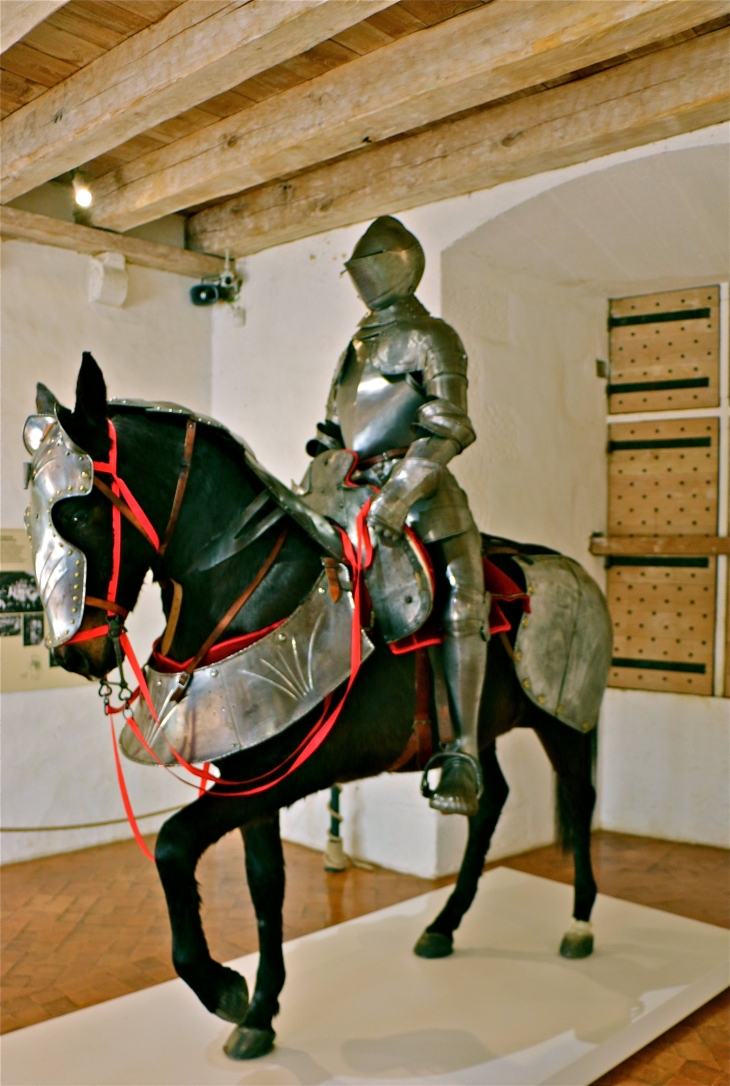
(360, 1007)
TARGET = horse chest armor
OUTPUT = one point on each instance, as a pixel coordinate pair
(378, 397)
(255, 693)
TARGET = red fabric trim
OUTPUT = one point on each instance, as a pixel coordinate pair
(502, 587)
(167, 666)
(498, 621)
(427, 635)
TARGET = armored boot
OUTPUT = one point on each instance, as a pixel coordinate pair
(466, 628)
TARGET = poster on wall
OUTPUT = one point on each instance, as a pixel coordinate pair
(25, 662)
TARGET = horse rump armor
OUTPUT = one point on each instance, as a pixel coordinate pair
(562, 652)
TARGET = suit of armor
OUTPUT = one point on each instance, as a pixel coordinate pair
(398, 399)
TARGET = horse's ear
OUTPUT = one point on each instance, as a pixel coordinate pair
(91, 391)
(87, 424)
(45, 402)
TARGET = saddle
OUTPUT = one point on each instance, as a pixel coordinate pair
(400, 580)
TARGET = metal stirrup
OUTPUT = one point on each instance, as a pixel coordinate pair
(443, 755)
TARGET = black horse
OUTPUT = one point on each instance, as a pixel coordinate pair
(371, 734)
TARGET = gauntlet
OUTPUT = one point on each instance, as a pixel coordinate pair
(415, 477)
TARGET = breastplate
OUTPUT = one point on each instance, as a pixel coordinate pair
(375, 412)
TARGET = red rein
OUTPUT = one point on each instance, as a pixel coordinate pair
(358, 559)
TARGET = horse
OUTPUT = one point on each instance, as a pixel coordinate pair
(371, 735)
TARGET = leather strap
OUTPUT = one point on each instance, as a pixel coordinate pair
(123, 509)
(507, 646)
(441, 696)
(172, 620)
(182, 483)
(185, 676)
(330, 568)
(106, 605)
(420, 741)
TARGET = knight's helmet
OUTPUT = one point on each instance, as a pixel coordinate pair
(387, 263)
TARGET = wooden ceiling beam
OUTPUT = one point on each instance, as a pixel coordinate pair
(477, 57)
(44, 230)
(18, 17)
(675, 90)
(199, 50)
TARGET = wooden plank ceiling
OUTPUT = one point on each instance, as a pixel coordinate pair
(267, 120)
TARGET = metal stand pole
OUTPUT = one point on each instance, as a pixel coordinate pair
(334, 855)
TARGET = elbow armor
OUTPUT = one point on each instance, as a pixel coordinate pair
(444, 414)
(445, 419)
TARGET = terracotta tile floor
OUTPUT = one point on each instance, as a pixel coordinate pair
(86, 926)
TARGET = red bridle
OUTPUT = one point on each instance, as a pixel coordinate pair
(125, 504)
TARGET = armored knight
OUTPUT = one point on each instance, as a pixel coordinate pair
(398, 399)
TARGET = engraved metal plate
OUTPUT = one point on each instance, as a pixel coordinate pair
(563, 647)
(256, 693)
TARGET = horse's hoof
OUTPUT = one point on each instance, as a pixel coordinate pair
(578, 940)
(434, 945)
(233, 1001)
(248, 1044)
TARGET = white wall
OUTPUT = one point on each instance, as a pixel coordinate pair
(537, 471)
(664, 766)
(57, 765)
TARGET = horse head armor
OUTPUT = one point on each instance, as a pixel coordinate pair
(59, 469)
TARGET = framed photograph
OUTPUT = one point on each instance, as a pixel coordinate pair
(19, 593)
(9, 625)
(25, 662)
(33, 629)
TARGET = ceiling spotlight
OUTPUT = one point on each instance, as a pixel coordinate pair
(82, 193)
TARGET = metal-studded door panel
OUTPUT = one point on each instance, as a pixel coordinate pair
(665, 351)
(663, 614)
(663, 477)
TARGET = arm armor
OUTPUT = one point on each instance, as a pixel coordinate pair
(444, 415)
(444, 430)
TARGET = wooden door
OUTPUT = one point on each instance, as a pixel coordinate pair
(663, 481)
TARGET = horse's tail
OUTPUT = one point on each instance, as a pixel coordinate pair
(587, 772)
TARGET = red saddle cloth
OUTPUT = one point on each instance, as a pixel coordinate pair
(500, 586)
